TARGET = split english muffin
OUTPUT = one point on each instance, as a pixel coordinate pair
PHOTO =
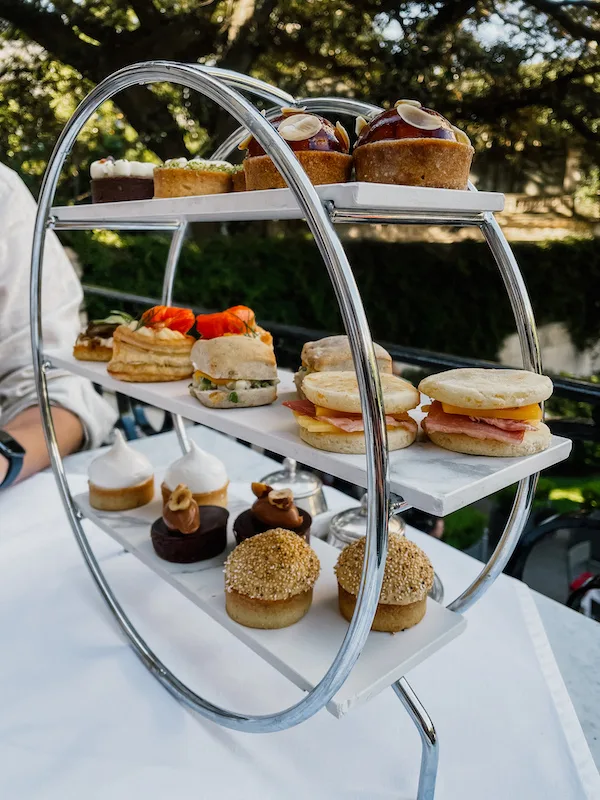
(333, 354)
(234, 372)
(407, 580)
(331, 416)
(488, 412)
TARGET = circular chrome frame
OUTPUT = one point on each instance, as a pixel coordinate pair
(216, 84)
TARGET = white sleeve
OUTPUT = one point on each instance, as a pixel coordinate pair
(61, 297)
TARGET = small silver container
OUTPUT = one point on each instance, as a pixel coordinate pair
(306, 487)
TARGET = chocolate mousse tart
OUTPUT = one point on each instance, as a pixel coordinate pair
(412, 146)
(322, 148)
(184, 535)
(113, 181)
(272, 509)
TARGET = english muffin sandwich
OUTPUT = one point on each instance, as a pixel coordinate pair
(331, 416)
(487, 412)
(333, 354)
(233, 372)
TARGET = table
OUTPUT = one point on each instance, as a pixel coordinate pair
(81, 717)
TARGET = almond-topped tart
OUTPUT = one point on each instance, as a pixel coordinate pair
(487, 412)
(273, 508)
(321, 147)
(407, 580)
(186, 533)
(154, 348)
(269, 580)
(412, 146)
(330, 418)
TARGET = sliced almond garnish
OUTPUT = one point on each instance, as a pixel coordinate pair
(343, 133)
(298, 127)
(418, 118)
(414, 103)
(461, 136)
(290, 110)
(361, 122)
(244, 144)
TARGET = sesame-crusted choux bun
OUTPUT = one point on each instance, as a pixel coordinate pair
(269, 580)
(407, 580)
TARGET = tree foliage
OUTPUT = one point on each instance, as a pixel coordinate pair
(516, 74)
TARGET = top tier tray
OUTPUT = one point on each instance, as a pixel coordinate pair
(359, 198)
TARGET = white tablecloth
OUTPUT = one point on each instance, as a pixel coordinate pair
(81, 717)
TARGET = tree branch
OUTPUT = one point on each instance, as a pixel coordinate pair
(572, 26)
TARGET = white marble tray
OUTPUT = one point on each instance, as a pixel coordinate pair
(304, 651)
(428, 477)
(281, 204)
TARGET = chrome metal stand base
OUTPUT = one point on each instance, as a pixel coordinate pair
(430, 748)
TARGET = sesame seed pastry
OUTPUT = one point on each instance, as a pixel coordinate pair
(269, 580)
(407, 579)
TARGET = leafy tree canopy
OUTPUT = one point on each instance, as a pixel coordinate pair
(515, 74)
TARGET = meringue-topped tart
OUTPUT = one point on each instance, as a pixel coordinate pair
(121, 478)
(204, 475)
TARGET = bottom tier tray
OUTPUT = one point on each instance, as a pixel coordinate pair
(304, 651)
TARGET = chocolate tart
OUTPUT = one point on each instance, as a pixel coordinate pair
(114, 190)
(248, 525)
(186, 548)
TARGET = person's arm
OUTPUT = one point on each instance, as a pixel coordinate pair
(26, 428)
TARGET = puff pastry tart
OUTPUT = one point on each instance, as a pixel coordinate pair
(155, 348)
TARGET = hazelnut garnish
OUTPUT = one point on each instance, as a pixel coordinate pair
(282, 499)
(260, 490)
(180, 499)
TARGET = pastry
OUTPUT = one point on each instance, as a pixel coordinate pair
(269, 580)
(185, 533)
(95, 343)
(203, 474)
(182, 178)
(238, 178)
(407, 579)
(413, 146)
(321, 147)
(113, 181)
(155, 348)
(239, 320)
(121, 478)
(272, 509)
(333, 354)
(331, 418)
(234, 372)
(487, 412)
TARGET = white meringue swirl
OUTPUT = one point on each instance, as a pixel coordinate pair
(201, 472)
(120, 467)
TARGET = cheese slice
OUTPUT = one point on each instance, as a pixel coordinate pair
(532, 412)
(315, 425)
(217, 381)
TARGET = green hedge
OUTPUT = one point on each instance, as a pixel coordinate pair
(440, 297)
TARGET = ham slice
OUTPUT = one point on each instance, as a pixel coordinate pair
(353, 423)
(500, 430)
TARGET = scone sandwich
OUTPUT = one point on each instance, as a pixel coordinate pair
(331, 417)
(234, 372)
(154, 348)
(95, 343)
(487, 412)
(333, 354)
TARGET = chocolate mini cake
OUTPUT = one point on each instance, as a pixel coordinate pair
(183, 536)
(272, 509)
(114, 181)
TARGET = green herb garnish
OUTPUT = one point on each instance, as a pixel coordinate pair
(233, 398)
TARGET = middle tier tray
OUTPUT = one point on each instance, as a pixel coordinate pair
(426, 476)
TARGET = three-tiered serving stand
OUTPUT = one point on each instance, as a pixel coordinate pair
(424, 476)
